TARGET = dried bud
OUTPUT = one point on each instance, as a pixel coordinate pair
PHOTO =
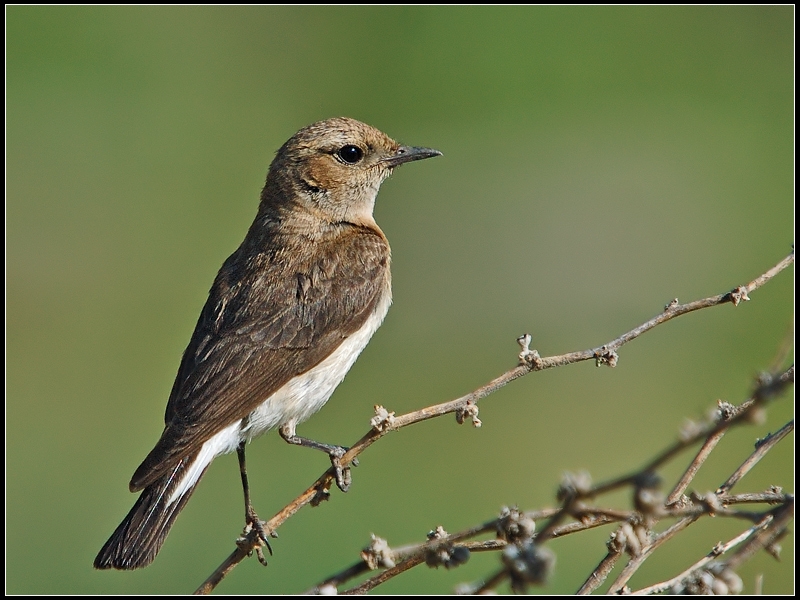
(514, 526)
(607, 357)
(378, 554)
(527, 564)
(616, 542)
(527, 356)
(445, 555)
(382, 420)
(632, 541)
(732, 580)
(574, 485)
(726, 410)
(689, 430)
(739, 295)
(647, 497)
(468, 411)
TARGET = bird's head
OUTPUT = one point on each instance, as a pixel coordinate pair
(334, 168)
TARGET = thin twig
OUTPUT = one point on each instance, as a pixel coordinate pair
(529, 362)
(716, 551)
(383, 576)
(764, 391)
(782, 515)
(784, 350)
(762, 447)
(602, 571)
(338, 579)
(492, 582)
(577, 526)
(414, 551)
(701, 456)
(771, 497)
(245, 547)
(593, 518)
(589, 517)
(637, 561)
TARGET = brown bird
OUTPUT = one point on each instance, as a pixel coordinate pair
(287, 316)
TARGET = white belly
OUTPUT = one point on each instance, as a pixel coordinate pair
(305, 394)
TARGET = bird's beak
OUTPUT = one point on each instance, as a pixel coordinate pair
(406, 154)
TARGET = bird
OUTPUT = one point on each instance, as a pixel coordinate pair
(286, 317)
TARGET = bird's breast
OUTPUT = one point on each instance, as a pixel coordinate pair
(305, 394)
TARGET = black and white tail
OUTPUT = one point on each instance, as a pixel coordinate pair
(139, 537)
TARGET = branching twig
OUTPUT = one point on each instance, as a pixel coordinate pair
(762, 447)
(630, 537)
(764, 391)
(705, 451)
(638, 560)
(620, 541)
(602, 571)
(782, 515)
(384, 576)
(716, 551)
(466, 407)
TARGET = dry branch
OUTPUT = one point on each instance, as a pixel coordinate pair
(465, 408)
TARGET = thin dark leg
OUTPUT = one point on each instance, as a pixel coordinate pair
(250, 516)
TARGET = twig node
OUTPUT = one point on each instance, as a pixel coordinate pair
(445, 555)
(378, 554)
(574, 485)
(528, 357)
(468, 411)
(739, 294)
(605, 356)
(514, 526)
(528, 563)
(383, 419)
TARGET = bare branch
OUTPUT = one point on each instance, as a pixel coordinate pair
(466, 407)
(767, 389)
(380, 578)
(637, 561)
(782, 515)
(602, 571)
(716, 551)
(705, 451)
(762, 447)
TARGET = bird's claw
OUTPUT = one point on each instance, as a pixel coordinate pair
(257, 525)
(342, 473)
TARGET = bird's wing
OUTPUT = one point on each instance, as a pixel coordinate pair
(261, 326)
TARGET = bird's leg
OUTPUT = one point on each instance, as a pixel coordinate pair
(343, 477)
(250, 516)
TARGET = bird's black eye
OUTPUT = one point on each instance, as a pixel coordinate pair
(350, 154)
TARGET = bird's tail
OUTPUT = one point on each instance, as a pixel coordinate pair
(139, 537)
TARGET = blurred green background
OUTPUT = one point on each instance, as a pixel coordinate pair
(597, 163)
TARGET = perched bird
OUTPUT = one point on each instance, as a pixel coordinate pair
(288, 314)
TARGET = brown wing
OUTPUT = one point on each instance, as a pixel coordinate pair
(268, 318)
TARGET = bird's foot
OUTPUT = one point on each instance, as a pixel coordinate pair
(336, 453)
(343, 475)
(257, 526)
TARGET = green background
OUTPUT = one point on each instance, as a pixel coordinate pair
(598, 162)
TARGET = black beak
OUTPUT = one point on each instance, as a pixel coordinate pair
(406, 154)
